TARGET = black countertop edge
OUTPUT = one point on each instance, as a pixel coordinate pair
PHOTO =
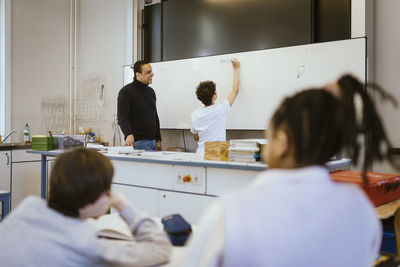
(13, 146)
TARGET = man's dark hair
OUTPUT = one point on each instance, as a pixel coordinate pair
(205, 91)
(320, 125)
(138, 66)
(78, 178)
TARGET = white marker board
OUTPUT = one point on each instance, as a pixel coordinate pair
(266, 77)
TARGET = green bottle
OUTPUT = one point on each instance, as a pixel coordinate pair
(27, 133)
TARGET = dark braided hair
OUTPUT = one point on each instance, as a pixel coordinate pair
(369, 125)
(320, 125)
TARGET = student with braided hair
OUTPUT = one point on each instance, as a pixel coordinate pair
(294, 214)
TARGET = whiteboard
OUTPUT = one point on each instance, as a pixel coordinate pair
(266, 77)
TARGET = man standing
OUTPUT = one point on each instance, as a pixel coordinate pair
(137, 111)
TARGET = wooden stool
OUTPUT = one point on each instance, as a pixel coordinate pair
(5, 203)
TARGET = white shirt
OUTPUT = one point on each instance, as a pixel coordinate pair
(210, 123)
(294, 217)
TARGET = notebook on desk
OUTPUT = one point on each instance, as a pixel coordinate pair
(112, 226)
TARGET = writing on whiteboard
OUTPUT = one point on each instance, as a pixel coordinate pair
(300, 70)
(226, 60)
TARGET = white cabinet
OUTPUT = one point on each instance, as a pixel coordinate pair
(5, 170)
(220, 181)
(165, 189)
(190, 206)
(25, 176)
(160, 203)
(143, 174)
(144, 199)
(19, 174)
(20, 155)
(25, 181)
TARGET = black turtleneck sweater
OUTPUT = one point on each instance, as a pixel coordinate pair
(137, 111)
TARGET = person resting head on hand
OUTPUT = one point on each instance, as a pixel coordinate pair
(57, 233)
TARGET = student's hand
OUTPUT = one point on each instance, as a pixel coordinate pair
(130, 140)
(235, 63)
(97, 208)
(158, 145)
(118, 201)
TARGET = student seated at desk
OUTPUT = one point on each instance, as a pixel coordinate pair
(294, 214)
(56, 233)
(209, 122)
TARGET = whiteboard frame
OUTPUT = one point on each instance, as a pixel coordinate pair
(128, 77)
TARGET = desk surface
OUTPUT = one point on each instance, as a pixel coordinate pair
(190, 159)
(387, 210)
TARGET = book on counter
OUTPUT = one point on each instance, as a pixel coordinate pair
(245, 150)
(254, 157)
(247, 143)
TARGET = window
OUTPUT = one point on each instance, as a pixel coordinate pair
(2, 66)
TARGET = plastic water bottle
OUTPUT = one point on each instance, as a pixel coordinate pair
(27, 133)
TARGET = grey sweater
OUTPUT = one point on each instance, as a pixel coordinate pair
(36, 235)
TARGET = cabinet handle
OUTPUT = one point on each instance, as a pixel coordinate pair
(164, 196)
(8, 159)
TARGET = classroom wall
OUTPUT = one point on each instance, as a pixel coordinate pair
(387, 67)
(102, 52)
(39, 59)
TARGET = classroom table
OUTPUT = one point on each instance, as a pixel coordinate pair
(167, 158)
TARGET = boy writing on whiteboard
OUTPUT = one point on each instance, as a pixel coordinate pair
(209, 122)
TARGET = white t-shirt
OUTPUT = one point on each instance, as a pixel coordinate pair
(296, 217)
(210, 123)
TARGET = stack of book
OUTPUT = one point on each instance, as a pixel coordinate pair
(245, 150)
(42, 142)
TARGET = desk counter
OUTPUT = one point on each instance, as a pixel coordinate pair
(163, 183)
(189, 159)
